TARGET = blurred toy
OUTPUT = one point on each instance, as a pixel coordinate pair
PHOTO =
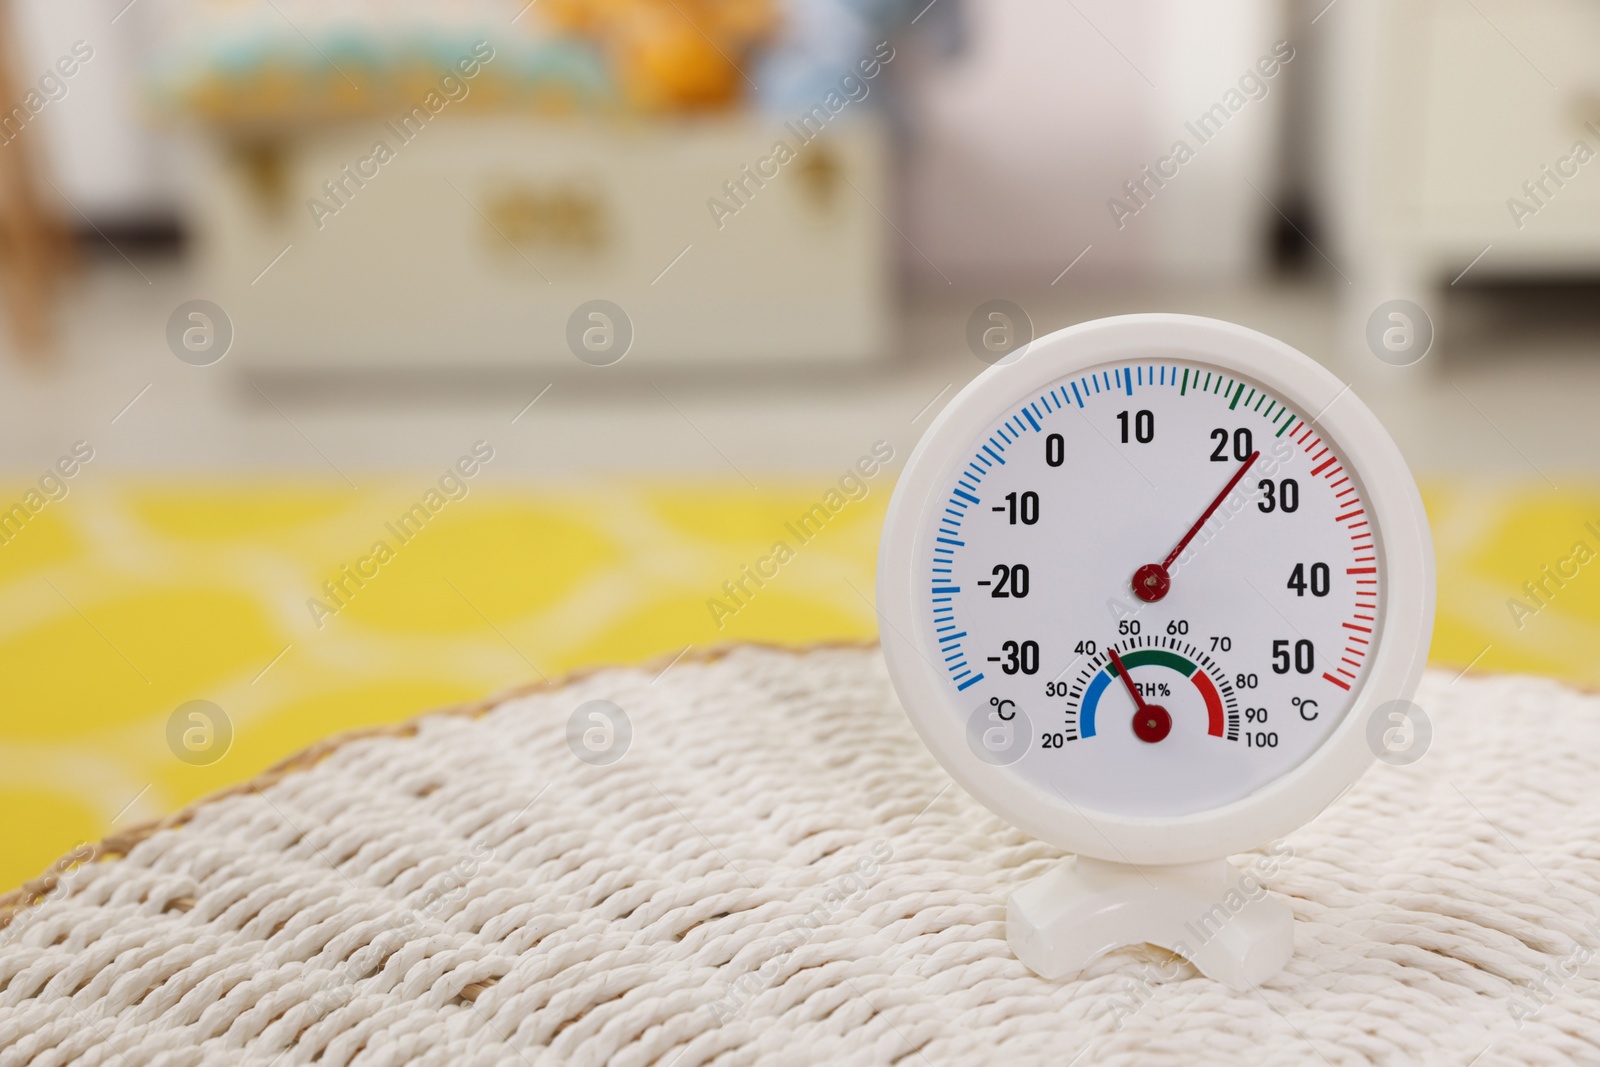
(671, 55)
(278, 63)
(253, 64)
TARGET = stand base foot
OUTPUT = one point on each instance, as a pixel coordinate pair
(1225, 923)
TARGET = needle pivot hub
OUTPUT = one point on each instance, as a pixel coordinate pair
(1151, 723)
(1151, 582)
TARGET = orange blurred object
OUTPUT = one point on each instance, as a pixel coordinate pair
(671, 55)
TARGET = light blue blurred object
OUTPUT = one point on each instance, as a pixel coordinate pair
(819, 43)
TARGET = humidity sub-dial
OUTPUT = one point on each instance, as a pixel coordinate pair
(1153, 686)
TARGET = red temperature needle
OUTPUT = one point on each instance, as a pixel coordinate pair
(1151, 722)
(1153, 581)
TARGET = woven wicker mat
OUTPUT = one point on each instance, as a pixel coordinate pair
(776, 871)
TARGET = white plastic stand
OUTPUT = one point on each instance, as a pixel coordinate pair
(1229, 926)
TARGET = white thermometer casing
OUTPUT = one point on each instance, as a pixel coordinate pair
(1393, 652)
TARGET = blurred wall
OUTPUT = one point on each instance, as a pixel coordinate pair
(1019, 145)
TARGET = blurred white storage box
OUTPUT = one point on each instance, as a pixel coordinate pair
(473, 243)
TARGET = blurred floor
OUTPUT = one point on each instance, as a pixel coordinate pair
(1506, 391)
(180, 562)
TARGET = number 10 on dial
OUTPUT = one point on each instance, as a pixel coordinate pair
(1143, 587)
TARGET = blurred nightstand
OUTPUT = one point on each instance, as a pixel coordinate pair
(1461, 138)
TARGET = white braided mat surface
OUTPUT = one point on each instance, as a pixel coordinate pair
(776, 871)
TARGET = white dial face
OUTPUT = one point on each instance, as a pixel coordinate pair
(1248, 637)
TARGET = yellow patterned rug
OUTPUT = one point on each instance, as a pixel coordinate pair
(273, 603)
